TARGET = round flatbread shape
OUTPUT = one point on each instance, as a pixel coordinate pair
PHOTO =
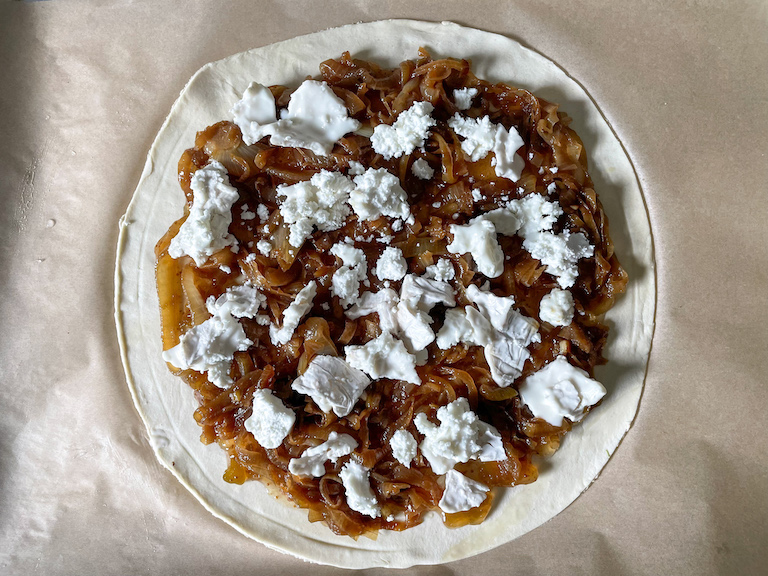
(166, 403)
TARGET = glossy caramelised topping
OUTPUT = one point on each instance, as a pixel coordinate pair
(552, 164)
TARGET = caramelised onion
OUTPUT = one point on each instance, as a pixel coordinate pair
(374, 95)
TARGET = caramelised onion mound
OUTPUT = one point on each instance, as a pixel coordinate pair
(555, 166)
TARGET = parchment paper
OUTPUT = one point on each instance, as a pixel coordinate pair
(86, 87)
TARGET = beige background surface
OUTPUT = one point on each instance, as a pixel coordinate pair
(85, 87)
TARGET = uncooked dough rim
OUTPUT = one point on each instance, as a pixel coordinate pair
(135, 392)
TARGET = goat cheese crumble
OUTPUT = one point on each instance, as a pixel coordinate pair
(271, 421)
(460, 437)
(391, 265)
(206, 229)
(210, 347)
(403, 446)
(560, 390)
(461, 493)
(409, 132)
(312, 461)
(357, 485)
(315, 118)
(332, 384)
(319, 202)
(301, 304)
(556, 307)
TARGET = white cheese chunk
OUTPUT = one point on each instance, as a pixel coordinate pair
(271, 421)
(319, 202)
(442, 271)
(481, 136)
(506, 161)
(332, 384)
(345, 283)
(425, 293)
(262, 212)
(409, 132)
(461, 493)
(391, 265)
(503, 332)
(461, 436)
(378, 193)
(255, 113)
(560, 390)
(239, 301)
(384, 303)
(556, 308)
(463, 97)
(384, 357)
(312, 461)
(456, 329)
(210, 347)
(206, 229)
(495, 308)
(422, 170)
(301, 304)
(535, 213)
(403, 446)
(264, 246)
(478, 238)
(413, 327)
(315, 118)
(357, 485)
(560, 253)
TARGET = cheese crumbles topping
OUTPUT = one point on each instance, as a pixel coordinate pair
(431, 303)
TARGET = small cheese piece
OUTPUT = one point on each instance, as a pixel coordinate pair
(332, 384)
(481, 136)
(560, 253)
(413, 328)
(345, 283)
(255, 112)
(560, 390)
(357, 485)
(271, 421)
(425, 293)
(384, 303)
(384, 357)
(463, 97)
(391, 265)
(319, 202)
(264, 246)
(262, 212)
(442, 271)
(556, 308)
(422, 170)
(239, 301)
(478, 238)
(315, 118)
(461, 436)
(312, 461)
(403, 446)
(506, 162)
(456, 329)
(378, 193)
(210, 347)
(409, 132)
(206, 229)
(461, 493)
(535, 214)
(301, 304)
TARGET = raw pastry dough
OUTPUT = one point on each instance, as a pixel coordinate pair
(166, 403)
